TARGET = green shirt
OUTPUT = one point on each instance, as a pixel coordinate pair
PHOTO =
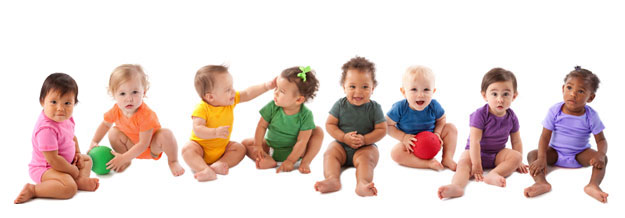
(357, 118)
(283, 129)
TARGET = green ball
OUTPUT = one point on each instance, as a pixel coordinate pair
(100, 155)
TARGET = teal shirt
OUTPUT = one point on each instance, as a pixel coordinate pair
(357, 118)
(283, 129)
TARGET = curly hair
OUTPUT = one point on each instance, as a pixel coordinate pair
(307, 89)
(360, 64)
(586, 75)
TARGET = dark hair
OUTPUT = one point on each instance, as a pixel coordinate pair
(205, 78)
(498, 75)
(586, 75)
(307, 89)
(59, 82)
(360, 64)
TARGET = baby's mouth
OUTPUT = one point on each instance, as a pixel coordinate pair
(420, 103)
(129, 106)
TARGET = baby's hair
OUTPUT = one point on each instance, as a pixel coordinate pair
(59, 82)
(416, 70)
(124, 73)
(360, 64)
(205, 78)
(307, 89)
(586, 75)
(498, 75)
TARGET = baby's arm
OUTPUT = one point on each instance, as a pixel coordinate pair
(406, 139)
(297, 152)
(259, 136)
(438, 128)
(540, 163)
(377, 134)
(602, 148)
(200, 130)
(474, 153)
(517, 145)
(99, 134)
(77, 156)
(59, 163)
(350, 138)
(254, 91)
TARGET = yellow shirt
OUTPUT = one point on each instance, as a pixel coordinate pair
(215, 117)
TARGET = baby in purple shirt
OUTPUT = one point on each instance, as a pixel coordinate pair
(491, 125)
(565, 136)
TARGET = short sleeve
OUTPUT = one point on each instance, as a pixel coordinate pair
(515, 123)
(200, 111)
(549, 121)
(596, 126)
(267, 111)
(149, 121)
(336, 109)
(237, 98)
(438, 109)
(477, 119)
(378, 114)
(395, 113)
(111, 115)
(308, 122)
(47, 140)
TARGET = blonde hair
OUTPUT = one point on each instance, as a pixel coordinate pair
(205, 78)
(418, 70)
(124, 73)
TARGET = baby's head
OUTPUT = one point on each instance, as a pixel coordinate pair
(358, 80)
(418, 87)
(499, 89)
(295, 86)
(128, 85)
(213, 84)
(579, 88)
(59, 94)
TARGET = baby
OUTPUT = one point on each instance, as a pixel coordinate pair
(417, 113)
(491, 125)
(57, 166)
(356, 123)
(291, 131)
(137, 132)
(210, 150)
(564, 139)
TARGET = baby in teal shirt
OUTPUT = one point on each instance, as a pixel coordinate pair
(291, 134)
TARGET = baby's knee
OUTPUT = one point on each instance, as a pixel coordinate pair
(68, 190)
(516, 157)
(450, 128)
(191, 148)
(531, 156)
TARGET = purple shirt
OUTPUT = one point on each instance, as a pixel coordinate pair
(495, 130)
(571, 133)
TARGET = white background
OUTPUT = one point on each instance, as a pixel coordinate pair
(539, 41)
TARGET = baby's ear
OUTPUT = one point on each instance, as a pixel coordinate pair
(300, 100)
(208, 97)
(433, 90)
(592, 97)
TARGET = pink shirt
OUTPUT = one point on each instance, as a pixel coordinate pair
(50, 135)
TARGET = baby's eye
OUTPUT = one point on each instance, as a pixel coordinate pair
(426, 89)
(53, 102)
(413, 89)
(365, 87)
(580, 91)
(122, 94)
(494, 94)
(569, 87)
(352, 87)
(135, 92)
(68, 103)
(506, 94)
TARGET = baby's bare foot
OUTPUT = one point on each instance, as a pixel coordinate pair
(304, 168)
(88, 184)
(265, 163)
(364, 190)
(328, 185)
(449, 163)
(27, 193)
(495, 179)
(537, 189)
(205, 175)
(435, 165)
(175, 168)
(596, 192)
(220, 167)
(450, 191)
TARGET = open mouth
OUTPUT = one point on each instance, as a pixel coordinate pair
(420, 103)
(500, 107)
(357, 98)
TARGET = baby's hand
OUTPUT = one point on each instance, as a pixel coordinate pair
(522, 168)
(286, 166)
(408, 141)
(439, 138)
(352, 140)
(476, 171)
(537, 167)
(598, 161)
(222, 132)
(92, 145)
(117, 162)
(78, 160)
(74, 172)
(269, 85)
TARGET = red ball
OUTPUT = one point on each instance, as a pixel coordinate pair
(427, 145)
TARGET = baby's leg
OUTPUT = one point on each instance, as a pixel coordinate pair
(312, 148)
(541, 185)
(405, 158)
(586, 158)
(164, 140)
(120, 143)
(54, 184)
(450, 138)
(365, 160)
(506, 162)
(333, 159)
(460, 179)
(252, 153)
(234, 154)
(83, 181)
(193, 155)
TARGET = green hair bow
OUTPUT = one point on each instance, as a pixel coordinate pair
(303, 73)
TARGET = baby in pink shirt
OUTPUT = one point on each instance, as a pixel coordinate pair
(57, 167)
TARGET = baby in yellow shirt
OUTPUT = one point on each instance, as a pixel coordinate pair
(210, 150)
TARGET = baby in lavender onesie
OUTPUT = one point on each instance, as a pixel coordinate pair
(565, 136)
